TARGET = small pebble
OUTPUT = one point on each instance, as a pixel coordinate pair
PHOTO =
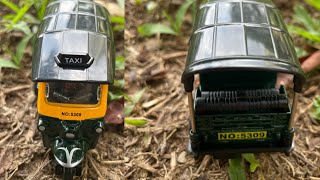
(182, 157)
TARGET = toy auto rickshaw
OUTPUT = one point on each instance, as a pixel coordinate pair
(237, 48)
(73, 63)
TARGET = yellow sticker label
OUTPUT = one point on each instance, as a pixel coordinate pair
(242, 135)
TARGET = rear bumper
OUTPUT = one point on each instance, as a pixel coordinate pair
(227, 153)
(231, 149)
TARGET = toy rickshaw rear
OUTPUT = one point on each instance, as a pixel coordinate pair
(237, 48)
(73, 63)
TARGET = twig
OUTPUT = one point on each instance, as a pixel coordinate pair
(133, 142)
(173, 161)
(296, 154)
(18, 118)
(146, 167)
(291, 166)
(147, 153)
(130, 173)
(153, 102)
(115, 162)
(204, 163)
(163, 144)
(95, 167)
(11, 175)
(10, 134)
(16, 88)
(175, 55)
(42, 165)
(175, 130)
(162, 103)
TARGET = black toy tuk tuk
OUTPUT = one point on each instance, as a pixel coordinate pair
(237, 48)
(73, 63)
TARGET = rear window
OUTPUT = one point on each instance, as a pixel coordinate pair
(66, 21)
(47, 24)
(86, 22)
(68, 14)
(73, 92)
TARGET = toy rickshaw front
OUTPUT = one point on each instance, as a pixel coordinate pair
(73, 63)
(237, 48)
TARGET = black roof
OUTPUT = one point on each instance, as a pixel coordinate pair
(74, 28)
(241, 35)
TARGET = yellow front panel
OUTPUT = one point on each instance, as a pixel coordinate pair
(71, 111)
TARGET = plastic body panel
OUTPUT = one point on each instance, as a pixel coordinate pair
(74, 45)
(207, 139)
(74, 28)
(237, 48)
(81, 112)
(240, 35)
(55, 136)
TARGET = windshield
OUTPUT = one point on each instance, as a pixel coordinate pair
(73, 92)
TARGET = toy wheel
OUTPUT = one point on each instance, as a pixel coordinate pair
(288, 153)
(67, 173)
(78, 170)
(58, 170)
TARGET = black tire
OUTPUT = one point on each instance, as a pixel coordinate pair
(67, 173)
(58, 170)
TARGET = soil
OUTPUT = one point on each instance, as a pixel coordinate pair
(157, 150)
(22, 155)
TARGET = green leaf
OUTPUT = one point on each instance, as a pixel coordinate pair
(254, 163)
(13, 57)
(315, 109)
(115, 95)
(21, 48)
(151, 6)
(138, 2)
(128, 108)
(236, 169)
(5, 63)
(150, 29)
(8, 17)
(118, 28)
(169, 18)
(22, 26)
(181, 14)
(147, 139)
(132, 101)
(194, 8)
(314, 3)
(20, 14)
(121, 3)
(136, 98)
(136, 121)
(300, 52)
(302, 16)
(42, 10)
(117, 19)
(312, 36)
(119, 82)
(31, 19)
(120, 63)
(10, 5)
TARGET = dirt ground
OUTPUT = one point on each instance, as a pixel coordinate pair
(22, 155)
(159, 149)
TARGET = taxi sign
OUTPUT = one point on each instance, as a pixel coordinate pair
(74, 60)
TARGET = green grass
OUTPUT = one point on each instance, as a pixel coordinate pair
(20, 19)
(173, 25)
(305, 25)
